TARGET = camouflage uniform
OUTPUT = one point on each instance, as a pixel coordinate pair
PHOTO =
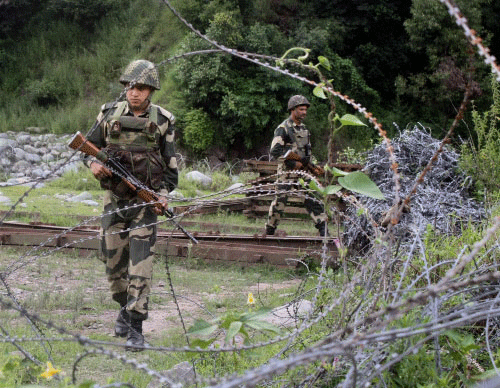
(295, 137)
(129, 234)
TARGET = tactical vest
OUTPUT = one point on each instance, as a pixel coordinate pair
(134, 143)
(300, 142)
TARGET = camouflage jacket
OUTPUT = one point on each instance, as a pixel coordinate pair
(290, 136)
(162, 136)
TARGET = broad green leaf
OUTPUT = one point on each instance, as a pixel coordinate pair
(324, 62)
(255, 314)
(319, 92)
(336, 172)
(332, 189)
(234, 328)
(359, 182)
(348, 119)
(465, 342)
(201, 327)
(313, 185)
(262, 325)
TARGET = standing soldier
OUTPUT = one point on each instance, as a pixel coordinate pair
(140, 136)
(293, 135)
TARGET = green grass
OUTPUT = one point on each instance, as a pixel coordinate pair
(70, 291)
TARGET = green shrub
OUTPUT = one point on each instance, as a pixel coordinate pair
(198, 130)
(480, 158)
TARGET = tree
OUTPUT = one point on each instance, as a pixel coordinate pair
(434, 93)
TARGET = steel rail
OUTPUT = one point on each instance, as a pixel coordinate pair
(246, 249)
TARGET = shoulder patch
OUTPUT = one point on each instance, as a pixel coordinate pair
(108, 106)
(166, 114)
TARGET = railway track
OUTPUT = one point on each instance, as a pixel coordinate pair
(245, 249)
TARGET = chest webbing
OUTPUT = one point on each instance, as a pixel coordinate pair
(131, 131)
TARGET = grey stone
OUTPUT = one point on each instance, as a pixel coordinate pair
(83, 196)
(90, 202)
(40, 173)
(288, 315)
(21, 166)
(198, 177)
(20, 153)
(176, 194)
(6, 142)
(35, 129)
(5, 201)
(23, 139)
(48, 158)
(235, 186)
(32, 158)
(31, 149)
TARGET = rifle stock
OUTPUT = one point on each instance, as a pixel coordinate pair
(80, 143)
(310, 167)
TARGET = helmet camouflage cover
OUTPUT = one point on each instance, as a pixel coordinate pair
(297, 100)
(141, 72)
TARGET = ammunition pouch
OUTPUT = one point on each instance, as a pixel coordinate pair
(145, 163)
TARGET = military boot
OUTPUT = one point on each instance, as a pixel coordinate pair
(135, 339)
(122, 323)
(270, 230)
(322, 228)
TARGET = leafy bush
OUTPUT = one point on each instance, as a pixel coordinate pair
(480, 158)
(198, 130)
(85, 13)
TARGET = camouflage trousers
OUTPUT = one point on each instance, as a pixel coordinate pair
(128, 236)
(313, 206)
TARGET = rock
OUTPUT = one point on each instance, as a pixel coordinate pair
(90, 202)
(176, 194)
(288, 314)
(6, 142)
(5, 201)
(35, 129)
(83, 196)
(23, 139)
(235, 186)
(198, 177)
(25, 155)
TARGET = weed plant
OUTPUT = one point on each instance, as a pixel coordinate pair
(480, 155)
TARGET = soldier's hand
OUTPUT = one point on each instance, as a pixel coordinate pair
(161, 206)
(100, 171)
(298, 166)
(318, 171)
(305, 160)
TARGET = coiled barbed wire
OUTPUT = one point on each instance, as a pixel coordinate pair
(369, 326)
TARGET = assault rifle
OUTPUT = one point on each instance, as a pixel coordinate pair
(80, 143)
(308, 166)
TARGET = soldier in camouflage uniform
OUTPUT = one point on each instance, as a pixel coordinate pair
(140, 136)
(292, 135)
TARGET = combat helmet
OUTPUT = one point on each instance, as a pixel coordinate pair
(141, 72)
(297, 100)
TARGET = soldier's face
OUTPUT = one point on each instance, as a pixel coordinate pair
(138, 97)
(299, 113)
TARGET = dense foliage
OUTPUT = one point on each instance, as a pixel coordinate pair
(403, 60)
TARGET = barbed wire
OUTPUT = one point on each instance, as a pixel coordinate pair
(369, 307)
